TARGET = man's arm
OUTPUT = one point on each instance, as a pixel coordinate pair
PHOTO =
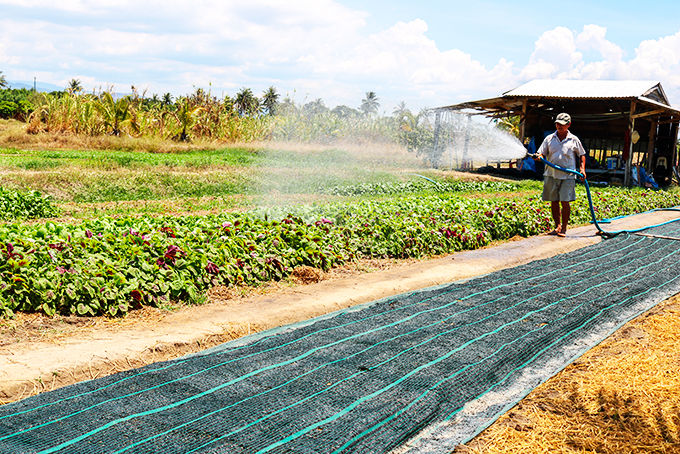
(581, 158)
(542, 150)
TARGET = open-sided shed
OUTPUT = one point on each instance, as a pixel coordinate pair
(622, 123)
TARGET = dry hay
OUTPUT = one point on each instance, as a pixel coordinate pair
(621, 397)
(306, 275)
(13, 134)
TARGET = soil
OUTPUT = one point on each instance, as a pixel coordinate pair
(39, 354)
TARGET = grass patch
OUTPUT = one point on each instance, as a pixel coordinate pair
(101, 176)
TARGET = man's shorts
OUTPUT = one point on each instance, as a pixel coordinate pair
(555, 190)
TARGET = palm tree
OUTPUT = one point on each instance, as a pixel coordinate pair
(167, 99)
(400, 110)
(370, 105)
(3, 81)
(74, 86)
(246, 102)
(509, 124)
(270, 100)
(344, 111)
(287, 106)
(316, 107)
(116, 114)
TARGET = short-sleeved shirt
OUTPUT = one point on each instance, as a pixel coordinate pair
(563, 153)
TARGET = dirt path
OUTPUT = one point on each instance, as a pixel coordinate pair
(55, 355)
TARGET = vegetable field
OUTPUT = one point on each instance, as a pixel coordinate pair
(108, 262)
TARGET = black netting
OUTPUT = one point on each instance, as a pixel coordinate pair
(429, 368)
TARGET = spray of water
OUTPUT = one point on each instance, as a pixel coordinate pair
(293, 172)
(462, 142)
(323, 155)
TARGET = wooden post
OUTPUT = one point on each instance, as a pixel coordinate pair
(434, 156)
(651, 145)
(522, 120)
(674, 160)
(467, 163)
(627, 180)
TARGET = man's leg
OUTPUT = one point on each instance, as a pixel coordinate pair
(566, 212)
(555, 210)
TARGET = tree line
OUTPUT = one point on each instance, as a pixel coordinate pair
(202, 114)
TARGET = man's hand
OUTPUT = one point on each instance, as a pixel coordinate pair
(583, 172)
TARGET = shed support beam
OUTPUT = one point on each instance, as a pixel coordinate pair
(467, 162)
(435, 145)
(675, 146)
(627, 180)
(651, 146)
(647, 114)
(522, 120)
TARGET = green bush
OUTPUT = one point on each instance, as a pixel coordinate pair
(16, 103)
(8, 109)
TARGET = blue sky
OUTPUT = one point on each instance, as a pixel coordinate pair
(427, 53)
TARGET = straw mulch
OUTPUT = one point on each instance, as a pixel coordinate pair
(621, 397)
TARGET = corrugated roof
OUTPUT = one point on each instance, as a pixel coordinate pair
(548, 88)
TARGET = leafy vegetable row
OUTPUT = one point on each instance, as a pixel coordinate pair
(389, 188)
(108, 266)
(25, 205)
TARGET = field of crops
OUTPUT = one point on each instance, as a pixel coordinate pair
(103, 232)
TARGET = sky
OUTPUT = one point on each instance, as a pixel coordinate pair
(423, 53)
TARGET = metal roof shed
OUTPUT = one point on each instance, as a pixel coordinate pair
(631, 121)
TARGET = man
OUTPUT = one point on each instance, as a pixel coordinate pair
(563, 149)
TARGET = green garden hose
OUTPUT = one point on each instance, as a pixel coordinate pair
(600, 230)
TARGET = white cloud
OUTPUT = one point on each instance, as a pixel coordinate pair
(659, 60)
(317, 47)
(559, 53)
(404, 58)
(657, 57)
(593, 37)
(555, 55)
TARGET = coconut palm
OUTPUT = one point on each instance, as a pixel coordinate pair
(343, 111)
(287, 106)
(246, 102)
(74, 86)
(313, 108)
(400, 110)
(3, 81)
(415, 131)
(167, 99)
(270, 100)
(370, 104)
(509, 124)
